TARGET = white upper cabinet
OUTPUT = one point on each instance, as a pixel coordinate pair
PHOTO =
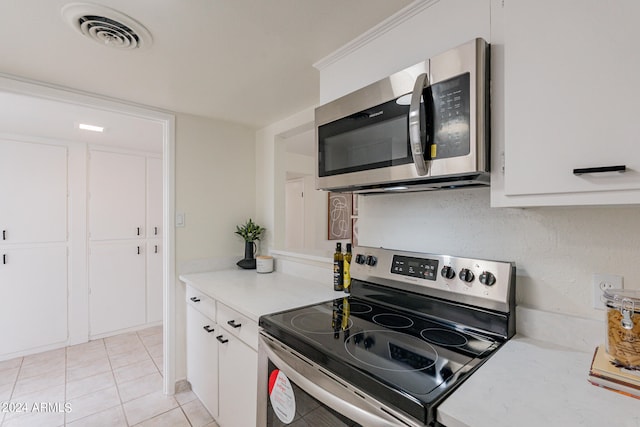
(571, 94)
(33, 192)
(117, 196)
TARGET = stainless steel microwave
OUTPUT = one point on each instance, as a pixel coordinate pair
(425, 127)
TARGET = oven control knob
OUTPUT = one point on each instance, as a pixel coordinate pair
(371, 260)
(466, 275)
(487, 278)
(448, 272)
(360, 259)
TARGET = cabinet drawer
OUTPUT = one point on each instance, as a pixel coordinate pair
(201, 302)
(238, 325)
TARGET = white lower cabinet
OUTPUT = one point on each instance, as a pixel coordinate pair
(222, 365)
(154, 280)
(238, 382)
(202, 358)
(117, 298)
(33, 298)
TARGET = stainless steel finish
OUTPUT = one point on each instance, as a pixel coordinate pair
(469, 170)
(353, 403)
(494, 297)
(416, 144)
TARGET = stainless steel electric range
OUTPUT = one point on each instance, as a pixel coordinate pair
(414, 327)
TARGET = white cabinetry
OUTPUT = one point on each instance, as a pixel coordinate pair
(125, 263)
(117, 201)
(238, 364)
(117, 279)
(202, 350)
(33, 192)
(154, 240)
(222, 365)
(33, 246)
(33, 297)
(571, 93)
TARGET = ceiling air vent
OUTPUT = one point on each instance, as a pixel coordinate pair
(107, 26)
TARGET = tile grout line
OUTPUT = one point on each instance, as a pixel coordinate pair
(115, 381)
(13, 389)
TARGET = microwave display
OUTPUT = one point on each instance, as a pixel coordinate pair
(451, 118)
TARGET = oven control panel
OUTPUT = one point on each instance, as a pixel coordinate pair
(422, 268)
(484, 283)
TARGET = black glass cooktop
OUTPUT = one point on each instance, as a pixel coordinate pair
(408, 360)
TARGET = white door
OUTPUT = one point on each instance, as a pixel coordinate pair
(117, 296)
(294, 213)
(117, 196)
(202, 359)
(154, 280)
(33, 297)
(238, 378)
(33, 192)
(571, 98)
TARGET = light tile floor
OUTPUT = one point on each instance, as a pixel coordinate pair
(111, 382)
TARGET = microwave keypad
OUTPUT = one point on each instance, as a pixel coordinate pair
(451, 100)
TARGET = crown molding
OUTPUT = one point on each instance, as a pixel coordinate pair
(367, 37)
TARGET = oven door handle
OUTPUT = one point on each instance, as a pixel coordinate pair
(338, 396)
(418, 148)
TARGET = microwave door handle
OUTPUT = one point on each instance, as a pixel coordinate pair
(417, 147)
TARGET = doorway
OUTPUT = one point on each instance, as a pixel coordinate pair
(91, 107)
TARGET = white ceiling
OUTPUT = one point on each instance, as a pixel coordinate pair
(246, 61)
(37, 117)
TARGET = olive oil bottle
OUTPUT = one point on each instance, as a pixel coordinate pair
(346, 273)
(338, 259)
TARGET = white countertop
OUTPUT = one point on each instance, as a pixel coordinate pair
(527, 383)
(254, 294)
(531, 383)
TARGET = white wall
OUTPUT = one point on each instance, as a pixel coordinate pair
(215, 189)
(271, 173)
(556, 249)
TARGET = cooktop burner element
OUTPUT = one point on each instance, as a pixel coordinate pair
(390, 320)
(410, 332)
(319, 323)
(444, 337)
(357, 308)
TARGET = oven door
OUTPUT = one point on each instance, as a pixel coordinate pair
(291, 388)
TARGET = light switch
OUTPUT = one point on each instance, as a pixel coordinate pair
(180, 219)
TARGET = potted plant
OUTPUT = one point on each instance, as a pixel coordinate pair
(250, 232)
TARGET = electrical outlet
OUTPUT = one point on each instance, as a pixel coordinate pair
(602, 282)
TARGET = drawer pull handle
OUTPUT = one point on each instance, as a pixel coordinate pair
(601, 169)
(222, 340)
(208, 328)
(233, 324)
(195, 299)
(4, 234)
(155, 231)
(4, 258)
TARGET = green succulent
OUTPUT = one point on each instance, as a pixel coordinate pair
(250, 231)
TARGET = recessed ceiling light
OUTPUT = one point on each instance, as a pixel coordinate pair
(90, 127)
